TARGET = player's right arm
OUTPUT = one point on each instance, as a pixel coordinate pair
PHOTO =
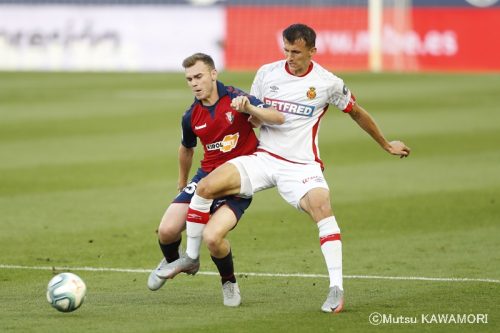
(186, 150)
(185, 162)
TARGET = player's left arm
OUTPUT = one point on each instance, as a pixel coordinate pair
(266, 114)
(368, 124)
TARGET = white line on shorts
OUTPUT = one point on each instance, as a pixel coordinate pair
(297, 275)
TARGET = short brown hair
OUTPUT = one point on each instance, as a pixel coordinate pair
(192, 60)
(300, 31)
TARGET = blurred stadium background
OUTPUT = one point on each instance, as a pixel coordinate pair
(155, 35)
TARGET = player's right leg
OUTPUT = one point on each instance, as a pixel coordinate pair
(223, 181)
(169, 238)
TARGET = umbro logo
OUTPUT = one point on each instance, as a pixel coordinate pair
(200, 127)
(193, 217)
(274, 88)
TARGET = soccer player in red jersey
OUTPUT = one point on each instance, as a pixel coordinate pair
(220, 117)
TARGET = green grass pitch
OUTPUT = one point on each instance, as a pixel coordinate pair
(88, 165)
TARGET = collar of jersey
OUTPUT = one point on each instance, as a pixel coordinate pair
(309, 69)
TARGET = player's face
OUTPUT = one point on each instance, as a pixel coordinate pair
(298, 56)
(202, 81)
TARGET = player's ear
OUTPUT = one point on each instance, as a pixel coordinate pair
(312, 51)
(214, 74)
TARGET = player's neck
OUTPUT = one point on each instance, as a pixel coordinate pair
(212, 98)
(302, 72)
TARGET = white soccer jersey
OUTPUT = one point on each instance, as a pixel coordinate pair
(303, 100)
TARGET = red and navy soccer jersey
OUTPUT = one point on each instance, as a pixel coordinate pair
(224, 132)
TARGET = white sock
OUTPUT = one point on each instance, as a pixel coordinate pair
(331, 246)
(194, 232)
(197, 218)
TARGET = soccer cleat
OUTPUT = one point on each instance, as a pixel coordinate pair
(334, 301)
(231, 294)
(155, 282)
(183, 264)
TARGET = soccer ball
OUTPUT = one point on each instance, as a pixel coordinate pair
(66, 292)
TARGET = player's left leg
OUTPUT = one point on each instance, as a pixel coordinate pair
(221, 222)
(305, 188)
(316, 202)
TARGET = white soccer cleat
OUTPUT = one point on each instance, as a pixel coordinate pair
(155, 282)
(231, 294)
(183, 264)
(334, 301)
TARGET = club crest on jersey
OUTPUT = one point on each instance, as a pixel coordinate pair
(230, 117)
(311, 93)
(225, 145)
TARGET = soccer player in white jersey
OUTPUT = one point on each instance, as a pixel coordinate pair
(288, 155)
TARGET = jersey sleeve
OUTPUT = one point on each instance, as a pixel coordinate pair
(256, 89)
(188, 137)
(340, 95)
(257, 102)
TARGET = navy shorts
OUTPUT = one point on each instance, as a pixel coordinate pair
(236, 204)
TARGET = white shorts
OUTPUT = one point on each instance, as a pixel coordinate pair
(261, 171)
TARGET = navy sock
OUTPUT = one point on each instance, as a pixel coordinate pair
(225, 267)
(170, 251)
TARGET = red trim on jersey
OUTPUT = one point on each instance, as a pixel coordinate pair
(329, 238)
(196, 216)
(309, 69)
(315, 130)
(351, 103)
(277, 156)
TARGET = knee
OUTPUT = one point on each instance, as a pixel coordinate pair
(211, 239)
(321, 208)
(205, 189)
(167, 233)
